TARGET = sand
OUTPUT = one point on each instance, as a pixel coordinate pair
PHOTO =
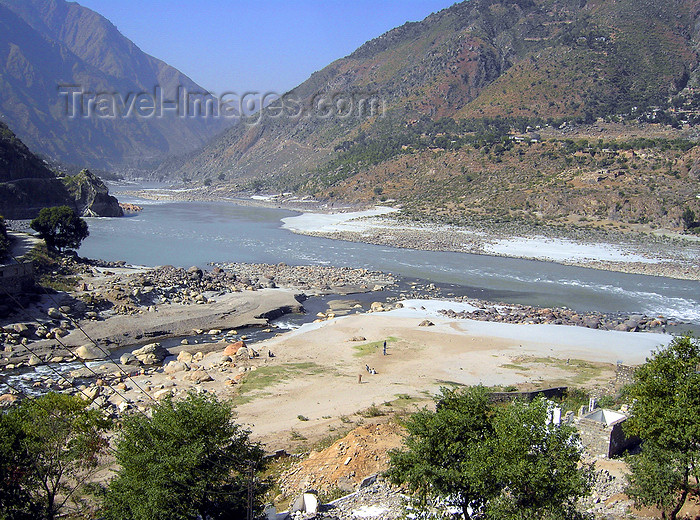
(420, 360)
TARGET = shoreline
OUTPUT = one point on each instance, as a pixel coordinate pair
(662, 254)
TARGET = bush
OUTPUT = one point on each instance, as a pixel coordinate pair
(189, 460)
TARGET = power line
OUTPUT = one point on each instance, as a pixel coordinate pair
(48, 365)
(98, 375)
(77, 325)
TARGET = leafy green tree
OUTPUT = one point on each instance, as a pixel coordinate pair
(447, 452)
(659, 478)
(60, 227)
(665, 411)
(495, 463)
(537, 462)
(15, 500)
(51, 445)
(688, 218)
(189, 460)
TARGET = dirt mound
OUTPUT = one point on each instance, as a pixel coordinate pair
(344, 464)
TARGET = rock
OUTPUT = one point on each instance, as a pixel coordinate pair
(8, 399)
(426, 323)
(198, 376)
(195, 273)
(22, 329)
(591, 323)
(358, 338)
(162, 394)
(214, 332)
(89, 394)
(174, 367)
(89, 353)
(54, 313)
(233, 348)
(184, 357)
(377, 307)
(128, 359)
(242, 352)
(92, 196)
(34, 361)
(150, 354)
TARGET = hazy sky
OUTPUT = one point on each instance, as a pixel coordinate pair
(267, 45)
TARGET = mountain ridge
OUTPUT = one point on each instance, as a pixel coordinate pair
(490, 69)
(45, 44)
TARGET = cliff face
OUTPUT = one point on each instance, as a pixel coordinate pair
(27, 185)
(91, 197)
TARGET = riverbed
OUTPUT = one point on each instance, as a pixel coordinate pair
(198, 233)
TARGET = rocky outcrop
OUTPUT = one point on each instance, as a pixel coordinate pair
(91, 196)
(27, 185)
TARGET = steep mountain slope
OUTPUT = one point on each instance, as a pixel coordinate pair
(525, 62)
(48, 43)
(27, 185)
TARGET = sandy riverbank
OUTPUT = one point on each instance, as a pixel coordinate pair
(655, 255)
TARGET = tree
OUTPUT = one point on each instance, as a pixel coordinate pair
(688, 218)
(537, 462)
(188, 460)
(15, 500)
(447, 452)
(51, 445)
(665, 410)
(60, 227)
(496, 463)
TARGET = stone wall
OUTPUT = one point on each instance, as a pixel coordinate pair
(602, 440)
(549, 393)
(16, 279)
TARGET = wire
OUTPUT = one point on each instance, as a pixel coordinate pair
(48, 365)
(107, 355)
(92, 371)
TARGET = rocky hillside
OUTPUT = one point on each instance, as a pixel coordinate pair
(461, 96)
(27, 185)
(48, 43)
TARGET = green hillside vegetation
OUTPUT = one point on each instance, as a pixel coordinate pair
(487, 106)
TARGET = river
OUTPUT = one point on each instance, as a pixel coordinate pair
(197, 233)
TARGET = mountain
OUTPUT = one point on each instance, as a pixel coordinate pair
(27, 185)
(453, 98)
(48, 43)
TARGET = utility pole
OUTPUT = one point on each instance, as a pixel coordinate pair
(251, 476)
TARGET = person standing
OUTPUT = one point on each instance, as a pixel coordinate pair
(385, 347)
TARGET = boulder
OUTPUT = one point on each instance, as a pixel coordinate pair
(195, 273)
(54, 313)
(174, 367)
(8, 399)
(233, 348)
(89, 353)
(128, 359)
(34, 361)
(242, 352)
(184, 357)
(198, 376)
(22, 329)
(150, 354)
(426, 323)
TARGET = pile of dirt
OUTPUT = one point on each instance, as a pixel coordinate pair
(344, 464)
